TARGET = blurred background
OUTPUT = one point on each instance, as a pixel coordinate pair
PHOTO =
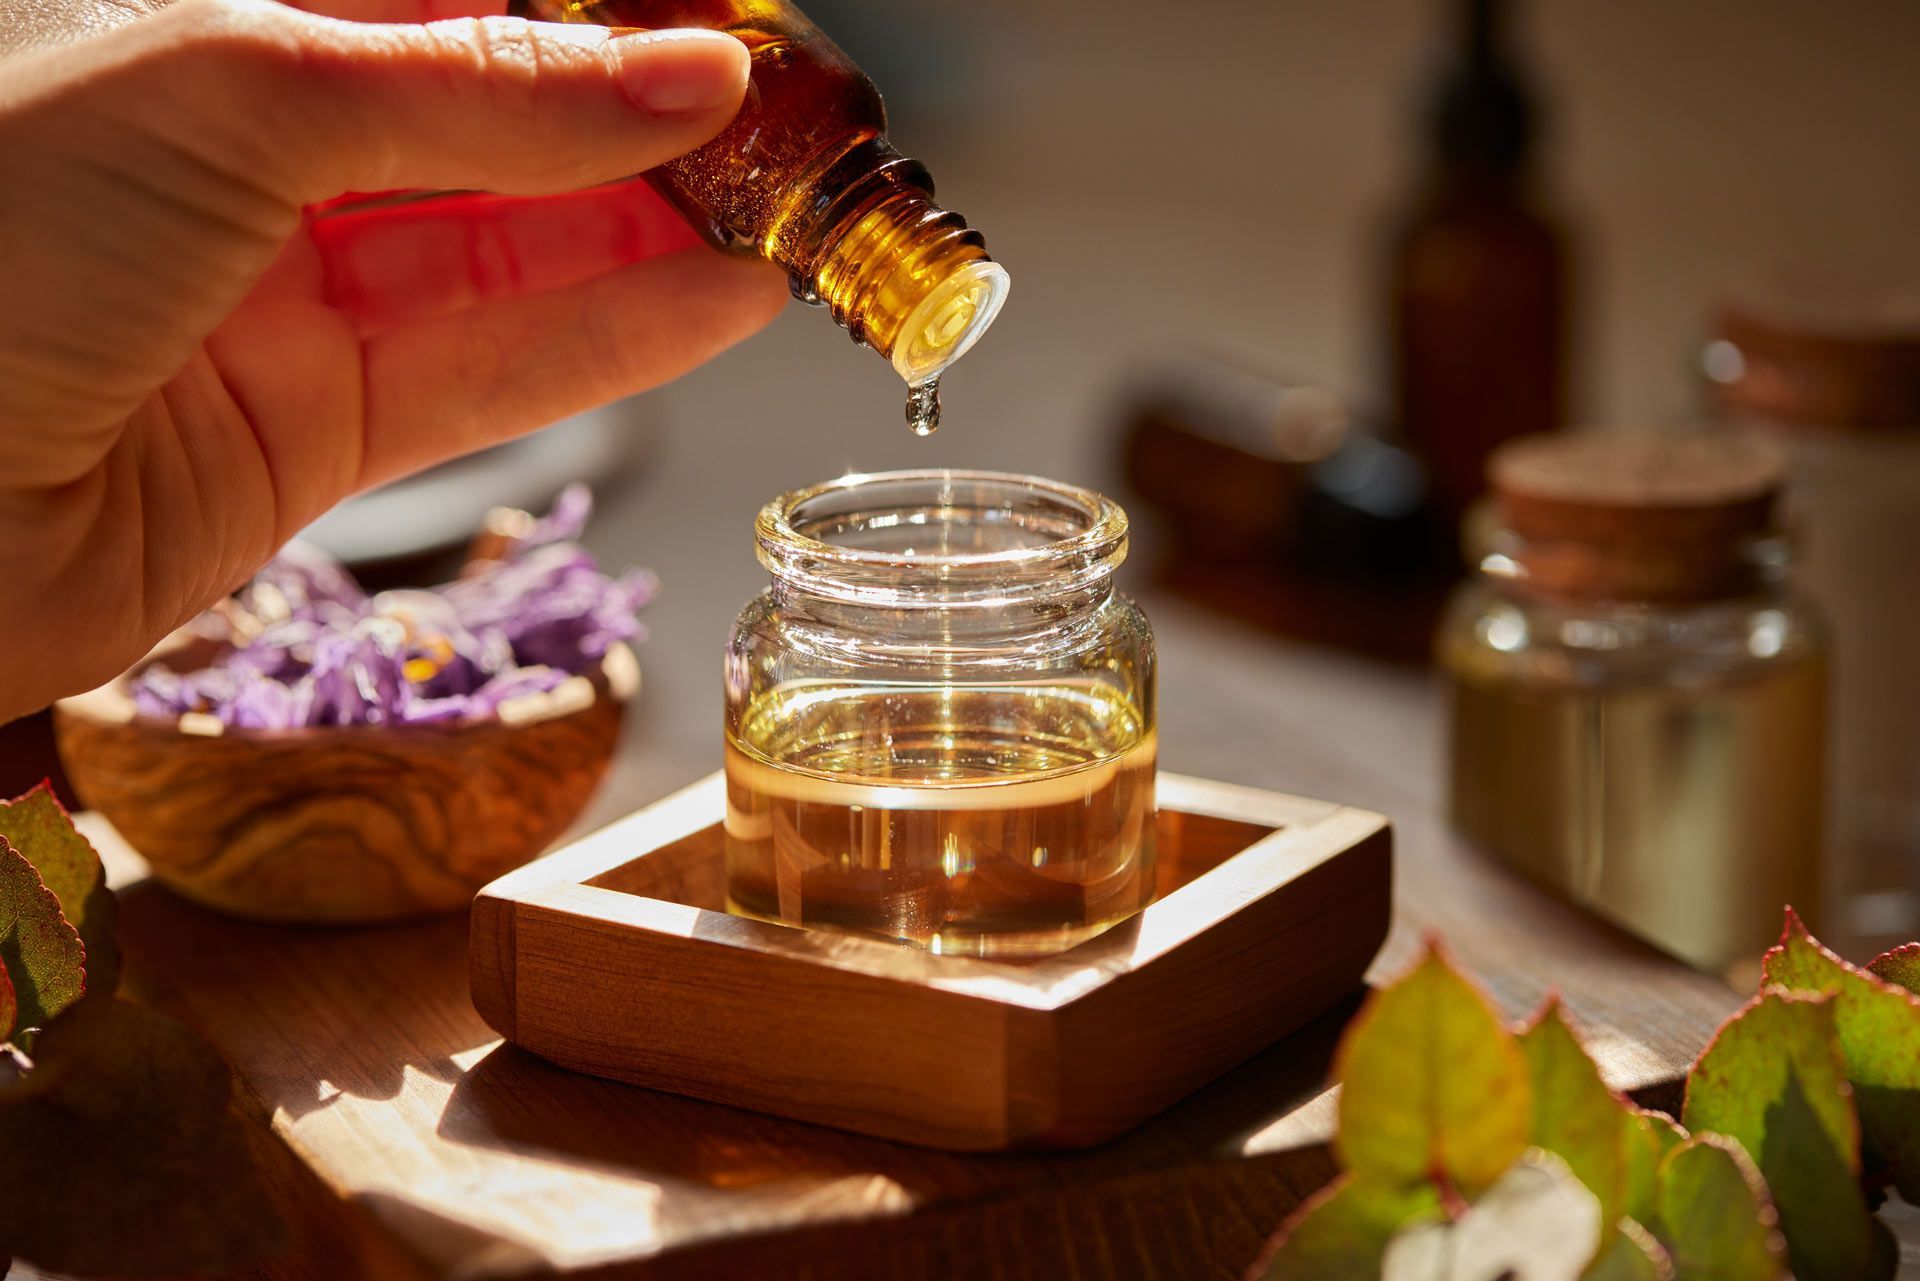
(1229, 178)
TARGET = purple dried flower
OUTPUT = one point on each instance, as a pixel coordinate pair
(312, 649)
(164, 692)
(261, 702)
(517, 684)
(566, 522)
(302, 582)
(553, 606)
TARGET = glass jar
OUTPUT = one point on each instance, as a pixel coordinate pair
(1842, 403)
(940, 716)
(1638, 702)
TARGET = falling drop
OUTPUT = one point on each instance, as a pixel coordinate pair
(923, 407)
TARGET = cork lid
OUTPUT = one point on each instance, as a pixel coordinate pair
(1843, 369)
(1627, 516)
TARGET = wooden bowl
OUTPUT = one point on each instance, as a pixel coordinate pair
(346, 824)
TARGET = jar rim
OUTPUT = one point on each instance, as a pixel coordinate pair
(1021, 536)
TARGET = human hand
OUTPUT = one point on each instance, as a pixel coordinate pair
(191, 369)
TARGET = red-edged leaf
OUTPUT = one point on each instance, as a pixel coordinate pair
(37, 825)
(9, 1007)
(1716, 1213)
(41, 950)
(1647, 1137)
(1433, 1085)
(1575, 1115)
(1341, 1231)
(1632, 1253)
(1879, 1027)
(1773, 1079)
(1900, 966)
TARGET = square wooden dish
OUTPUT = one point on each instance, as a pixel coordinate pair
(613, 956)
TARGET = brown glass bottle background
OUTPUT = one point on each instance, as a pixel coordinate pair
(1479, 318)
(807, 105)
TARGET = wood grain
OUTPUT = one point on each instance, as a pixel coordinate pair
(612, 957)
(354, 823)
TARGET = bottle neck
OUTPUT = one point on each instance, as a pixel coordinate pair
(896, 271)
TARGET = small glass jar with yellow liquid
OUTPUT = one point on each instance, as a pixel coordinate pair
(940, 716)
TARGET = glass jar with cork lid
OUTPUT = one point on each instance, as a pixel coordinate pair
(1638, 702)
(940, 716)
(1837, 391)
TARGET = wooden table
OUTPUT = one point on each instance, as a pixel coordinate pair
(416, 1145)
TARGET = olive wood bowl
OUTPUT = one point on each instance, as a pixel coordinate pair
(341, 824)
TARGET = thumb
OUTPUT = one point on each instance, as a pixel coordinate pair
(315, 106)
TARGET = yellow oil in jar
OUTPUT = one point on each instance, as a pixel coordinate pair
(990, 820)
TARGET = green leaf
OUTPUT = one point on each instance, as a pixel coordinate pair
(1646, 1139)
(42, 952)
(1536, 1221)
(9, 1007)
(1719, 1222)
(1900, 967)
(1879, 1028)
(1432, 1084)
(1773, 1079)
(123, 1154)
(1340, 1233)
(1632, 1253)
(37, 825)
(1575, 1115)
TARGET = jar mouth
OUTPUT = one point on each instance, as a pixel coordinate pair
(941, 538)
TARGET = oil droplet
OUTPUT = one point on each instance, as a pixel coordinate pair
(923, 407)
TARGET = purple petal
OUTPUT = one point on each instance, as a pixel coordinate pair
(264, 703)
(302, 582)
(159, 691)
(564, 523)
(516, 684)
(415, 710)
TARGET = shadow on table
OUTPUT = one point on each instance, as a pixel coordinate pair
(308, 1013)
(513, 1100)
(311, 1016)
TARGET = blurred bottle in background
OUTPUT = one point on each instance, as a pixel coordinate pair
(1478, 275)
(1274, 504)
(1838, 391)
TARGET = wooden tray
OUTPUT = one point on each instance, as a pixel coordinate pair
(613, 957)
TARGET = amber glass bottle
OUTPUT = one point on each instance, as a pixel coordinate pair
(1478, 276)
(805, 177)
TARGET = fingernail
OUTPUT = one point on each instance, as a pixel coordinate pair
(681, 72)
